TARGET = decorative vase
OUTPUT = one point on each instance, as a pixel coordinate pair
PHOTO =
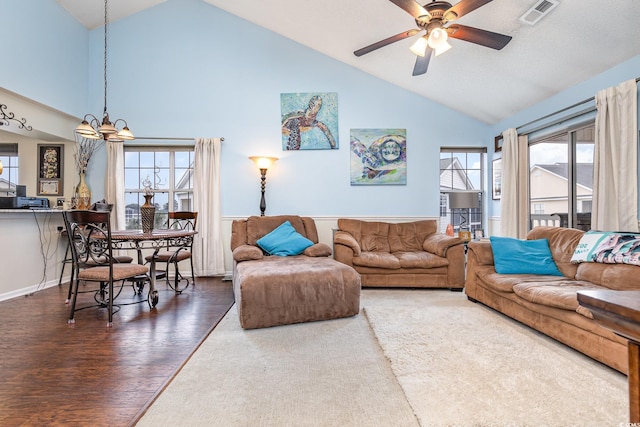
(83, 194)
(147, 214)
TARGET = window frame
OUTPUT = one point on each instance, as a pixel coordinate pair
(132, 215)
(569, 134)
(10, 158)
(472, 215)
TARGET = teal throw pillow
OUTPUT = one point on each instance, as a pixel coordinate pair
(514, 256)
(284, 241)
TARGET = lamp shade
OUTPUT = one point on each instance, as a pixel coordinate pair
(419, 47)
(263, 162)
(464, 199)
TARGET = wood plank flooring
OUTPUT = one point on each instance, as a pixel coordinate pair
(52, 374)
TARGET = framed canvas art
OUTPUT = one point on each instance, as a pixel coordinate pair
(309, 121)
(378, 156)
(50, 167)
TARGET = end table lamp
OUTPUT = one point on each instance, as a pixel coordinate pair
(464, 200)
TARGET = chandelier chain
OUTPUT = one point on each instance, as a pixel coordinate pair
(106, 21)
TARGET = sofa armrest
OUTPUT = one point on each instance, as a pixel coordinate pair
(439, 243)
(343, 238)
(318, 250)
(247, 253)
(482, 252)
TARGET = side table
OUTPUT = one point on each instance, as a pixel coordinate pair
(619, 311)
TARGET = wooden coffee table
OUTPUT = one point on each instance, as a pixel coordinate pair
(619, 311)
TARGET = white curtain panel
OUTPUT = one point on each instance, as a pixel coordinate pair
(514, 199)
(114, 183)
(615, 168)
(208, 249)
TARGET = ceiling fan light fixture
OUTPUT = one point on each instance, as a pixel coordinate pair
(420, 46)
(437, 38)
(442, 48)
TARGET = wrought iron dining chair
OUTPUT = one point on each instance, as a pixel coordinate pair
(181, 220)
(89, 235)
(68, 259)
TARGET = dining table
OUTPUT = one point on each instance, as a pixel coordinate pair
(156, 239)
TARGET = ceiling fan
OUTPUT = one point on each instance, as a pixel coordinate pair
(433, 18)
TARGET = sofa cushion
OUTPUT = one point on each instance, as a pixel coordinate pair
(371, 236)
(420, 259)
(560, 294)
(377, 259)
(514, 256)
(619, 277)
(259, 226)
(505, 282)
(284, 240)
(562, 242)
(409, 236)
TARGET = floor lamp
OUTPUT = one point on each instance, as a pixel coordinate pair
(263, 164)
(461, 200)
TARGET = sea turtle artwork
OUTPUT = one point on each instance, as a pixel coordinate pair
(309, 121)
(378, 156)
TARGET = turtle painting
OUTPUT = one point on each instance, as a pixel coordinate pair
(378, 156)
(309, 121)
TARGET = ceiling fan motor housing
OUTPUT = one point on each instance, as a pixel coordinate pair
(437, 13)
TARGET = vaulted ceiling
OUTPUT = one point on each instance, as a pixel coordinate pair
(575, 41)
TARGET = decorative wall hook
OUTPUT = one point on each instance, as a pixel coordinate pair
(7, 118)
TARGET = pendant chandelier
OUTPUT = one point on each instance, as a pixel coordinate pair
(91, 127)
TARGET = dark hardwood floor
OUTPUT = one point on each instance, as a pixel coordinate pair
(52, 374)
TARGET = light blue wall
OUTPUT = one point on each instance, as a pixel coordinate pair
(45, 54)
(187, 69)
(622, 72)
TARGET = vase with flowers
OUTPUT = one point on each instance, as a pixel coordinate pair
(147, 210)
(85, 148)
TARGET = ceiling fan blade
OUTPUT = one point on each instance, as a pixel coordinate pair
(478, 36)
(422, 63)
(387, 41)
(411, 7)
(466, 6)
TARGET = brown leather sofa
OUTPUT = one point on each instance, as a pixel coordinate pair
(408, 254)
(278, 290)
(549, 304)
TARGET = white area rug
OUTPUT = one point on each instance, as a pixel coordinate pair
(330, 373)
(462, 364)
(456, 363)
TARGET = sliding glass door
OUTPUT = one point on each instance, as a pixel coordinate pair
(561, 179)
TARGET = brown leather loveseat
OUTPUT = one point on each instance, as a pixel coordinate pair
(406, 254)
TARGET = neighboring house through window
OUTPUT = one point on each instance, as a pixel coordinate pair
(561, 177)
(461, 169)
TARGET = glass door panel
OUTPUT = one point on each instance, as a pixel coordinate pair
(548, 181)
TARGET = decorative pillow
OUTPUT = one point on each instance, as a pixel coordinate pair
(284, 240)
(608, 247)
(514, 256)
